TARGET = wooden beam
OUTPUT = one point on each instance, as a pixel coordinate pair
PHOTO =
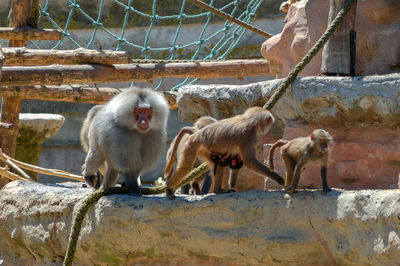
(33, 57)
(19, 18)
(338, 54)
(68, 93)
(28, 33)
(78, 74)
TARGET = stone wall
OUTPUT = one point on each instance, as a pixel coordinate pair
(246, 228)
(377, 42)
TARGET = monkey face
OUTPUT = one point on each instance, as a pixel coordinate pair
(324, 145)
(143, 117)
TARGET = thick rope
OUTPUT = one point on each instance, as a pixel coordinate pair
(197, 172)
(307, 58)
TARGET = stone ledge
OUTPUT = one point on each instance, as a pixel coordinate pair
(341, 102)
(37, 128)
(254, 227)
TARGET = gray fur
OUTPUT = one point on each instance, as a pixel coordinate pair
(111, 135)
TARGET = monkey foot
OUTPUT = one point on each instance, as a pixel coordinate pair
(93, 180)
(326, 190)
(171, 197)
(170, 194)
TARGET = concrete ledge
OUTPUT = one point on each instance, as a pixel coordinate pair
(254, 227)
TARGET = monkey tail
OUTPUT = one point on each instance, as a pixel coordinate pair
(171, 161)
(276, 145)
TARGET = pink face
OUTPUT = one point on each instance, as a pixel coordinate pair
(143, 116)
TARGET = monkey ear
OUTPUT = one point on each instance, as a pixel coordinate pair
(312, 136)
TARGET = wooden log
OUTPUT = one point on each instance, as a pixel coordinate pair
(11, 107)
(78, 74)
(32, 57)
(68, 93)
(338, 54)
(28, 33)
(1, 62)
(19, 18)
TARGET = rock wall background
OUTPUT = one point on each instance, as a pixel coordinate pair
(377, 42)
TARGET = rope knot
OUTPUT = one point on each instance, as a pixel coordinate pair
(182, 17)
(97, 24)
(76, 6)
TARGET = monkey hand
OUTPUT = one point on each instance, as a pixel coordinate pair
(93, 180)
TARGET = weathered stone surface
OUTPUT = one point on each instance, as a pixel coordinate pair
(36, 128)
(361, 113)
(343, 102)
(377, 44)
(255, 227)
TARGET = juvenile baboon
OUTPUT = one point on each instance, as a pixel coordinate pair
(199, 124)
(233, 138)
(297, 153)
(126, 137)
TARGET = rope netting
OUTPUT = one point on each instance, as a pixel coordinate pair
(210, 43)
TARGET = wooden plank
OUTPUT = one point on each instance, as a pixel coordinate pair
(79, 74)
(28, 33)
(32, 57)
(338, 54)
(68, 93)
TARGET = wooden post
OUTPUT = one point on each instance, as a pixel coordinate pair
(338, 54)
(11, 107)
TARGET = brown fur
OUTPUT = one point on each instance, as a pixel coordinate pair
(297, 153)
(174, 152)
(236, 136)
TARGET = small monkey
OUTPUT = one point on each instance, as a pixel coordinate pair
(297, 153)
(124, 138)
(235, 137)
(199, 124)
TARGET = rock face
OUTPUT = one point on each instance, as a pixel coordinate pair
(361, 113)
(377, 43)
(255, 227)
